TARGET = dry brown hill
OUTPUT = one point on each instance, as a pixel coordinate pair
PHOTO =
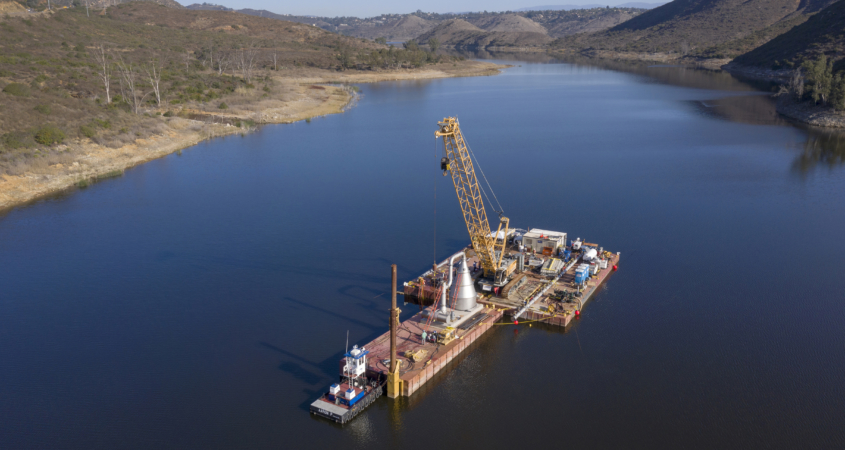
(461, 34)
(823, 33)
(10, 7)
(509, 23)
(577, 23)
(94, 4)
(402, 27)
(406, 28)
(52, 64)
(695, 26)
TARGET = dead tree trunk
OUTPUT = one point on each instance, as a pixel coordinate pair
(129, 80)
(101, 58)
(154, 74)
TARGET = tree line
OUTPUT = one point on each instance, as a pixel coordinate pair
(816, 80)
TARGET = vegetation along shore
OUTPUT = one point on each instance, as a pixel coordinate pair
(85, 95)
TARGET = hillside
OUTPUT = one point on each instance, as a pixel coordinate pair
(559, 24)
(461, 34)
(11, 7)
(70, 83)
(708, 28)
(403, 27)
(643, 5)
(823, 33)
(39, 5)
(509, 23)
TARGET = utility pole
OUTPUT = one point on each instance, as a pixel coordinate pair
(394, 382)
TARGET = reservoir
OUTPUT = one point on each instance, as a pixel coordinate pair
(203, 300)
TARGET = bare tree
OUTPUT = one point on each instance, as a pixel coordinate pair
(223, 61)
(275, 62)
(129, 81)
(187, 58)
(101, 57)
(796, 83)
(153, 70)
(246, 59)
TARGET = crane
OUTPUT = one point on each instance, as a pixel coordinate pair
(459, 163)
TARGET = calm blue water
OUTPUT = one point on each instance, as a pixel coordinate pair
(202, 300)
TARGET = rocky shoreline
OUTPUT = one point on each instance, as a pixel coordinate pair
(758, 73)
(809, 113)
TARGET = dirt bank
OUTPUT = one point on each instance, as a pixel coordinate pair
(809, 113)
(302, 94)
(758, 73)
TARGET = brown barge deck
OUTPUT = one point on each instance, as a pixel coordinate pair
(436, 357)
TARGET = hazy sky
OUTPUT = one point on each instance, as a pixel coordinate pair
(370, 8)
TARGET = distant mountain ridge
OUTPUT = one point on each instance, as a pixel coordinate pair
(403, 27)
(642, 5)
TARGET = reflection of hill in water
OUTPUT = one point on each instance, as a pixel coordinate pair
(675, 75)
(750, 109)
(823, 148)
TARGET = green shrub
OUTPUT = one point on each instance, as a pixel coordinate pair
(223, 106)
(168, 114)
(16, 140)
(103, 123)
(238, 124)
(49, 135)
(87, 131)
(43, 109)
(16, 89)
(5, 73)
(111, 174)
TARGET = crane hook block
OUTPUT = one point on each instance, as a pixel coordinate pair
(444, 165)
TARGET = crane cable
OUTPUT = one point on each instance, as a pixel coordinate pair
(434, 258)
(500, 211)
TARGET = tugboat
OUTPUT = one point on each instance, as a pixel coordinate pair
(353, 393)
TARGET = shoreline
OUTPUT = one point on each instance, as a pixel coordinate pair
(810, 114)
(318, 93)
(664, 58)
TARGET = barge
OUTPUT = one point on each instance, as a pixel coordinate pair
(535, 275)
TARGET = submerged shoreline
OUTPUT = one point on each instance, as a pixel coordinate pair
(318, 93)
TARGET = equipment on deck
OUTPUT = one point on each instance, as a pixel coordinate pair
(416, 355)
(446, 336)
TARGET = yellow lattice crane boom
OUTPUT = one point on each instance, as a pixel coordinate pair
(458, 162)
